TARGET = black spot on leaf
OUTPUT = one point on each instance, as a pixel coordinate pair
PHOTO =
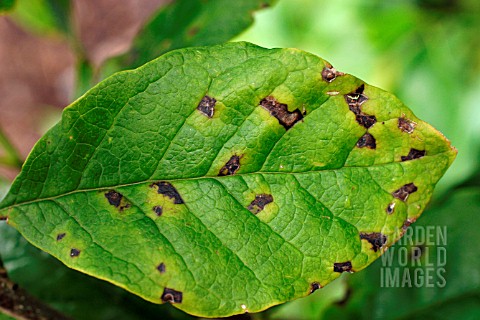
(413, 154)
(74, 252)
(405, 191)
(259, 203)
(342, 267)
(406, 125)
(329, 73)
(158, 210)
(367, 140)
(314, 286)
(161, 267)
(366, 120)
(280, 111)
(390, 208)
(166, 189)
(172, 296)
(114, 198)
(60, 236)
(231, 167)
(355, 100)
(376, 239)
(207, 106)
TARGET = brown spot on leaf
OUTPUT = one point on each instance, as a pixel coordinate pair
(406, 125)
(368, 141)
(390, 208)
(114, 198)
(376, 239)
(407, 224)
(329, 73)
(314, 286)
(207, 106)
(260, 201)
(161, 267)
(366, 120)
(172, 296)
(231, 167)
(342, 267)
(355, 100)
(405, 191)
(414, 154)
(60, 236)
(280, 111)
(166, 189)
(74, 252)
(158, 210)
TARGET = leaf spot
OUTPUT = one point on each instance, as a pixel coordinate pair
(355, 100)
(406, 125)
(342, 267)
(161, 268)
(259, 203)
(60, 236)
(329, 73)
(376, 239)
(231, 167)
(413, 154)
(74, 252)
(405, 191)
(314, 286)
(207, 106)
(172, 296)
(158, 210)
(390, 208)
(280, 111)
(407, 224)
(166, 189)
(368, 141)
(114, 198)
(366, 120)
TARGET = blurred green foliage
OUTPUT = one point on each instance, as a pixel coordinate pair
(6, 5)
(427, 52)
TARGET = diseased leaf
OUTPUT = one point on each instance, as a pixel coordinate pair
(438, 281)
(227, 179)
(186, 23)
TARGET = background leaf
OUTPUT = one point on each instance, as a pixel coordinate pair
(214, 183)
(6, 5)
(187, 23)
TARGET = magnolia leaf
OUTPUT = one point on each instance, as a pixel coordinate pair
(227, 179)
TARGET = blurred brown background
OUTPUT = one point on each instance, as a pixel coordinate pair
(37, 72)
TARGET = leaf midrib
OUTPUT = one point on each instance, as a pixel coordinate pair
(204, 177)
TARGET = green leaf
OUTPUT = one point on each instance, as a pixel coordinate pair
(453, 287)
(72, 293)
(6, 5)
(44, 16)
(227, 179)
(186, 23)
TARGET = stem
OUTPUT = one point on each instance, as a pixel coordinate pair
(85, 76)
(12, 159)
(17, 303)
